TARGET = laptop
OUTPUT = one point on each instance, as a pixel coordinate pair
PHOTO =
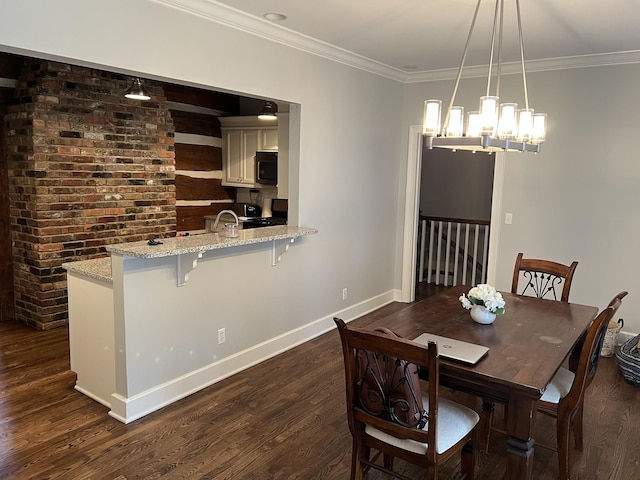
(465, 352)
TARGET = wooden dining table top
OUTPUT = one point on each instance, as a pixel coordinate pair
(527, 344)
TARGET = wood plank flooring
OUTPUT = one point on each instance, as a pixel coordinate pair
(283, 419)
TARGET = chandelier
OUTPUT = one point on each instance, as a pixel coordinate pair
(495, 126)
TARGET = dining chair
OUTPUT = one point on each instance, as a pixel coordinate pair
(574, 357)
(563, 398)
(378, 369)
(542, 277)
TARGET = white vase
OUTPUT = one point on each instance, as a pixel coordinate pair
(481, 315)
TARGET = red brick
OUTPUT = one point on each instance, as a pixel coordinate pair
(72, 166)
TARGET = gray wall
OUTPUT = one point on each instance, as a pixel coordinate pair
(349, 154)
(578, 199)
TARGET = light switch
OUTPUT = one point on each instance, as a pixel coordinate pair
(508, 219)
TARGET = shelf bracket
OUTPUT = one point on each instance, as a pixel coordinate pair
(278, 248)
(185, 263)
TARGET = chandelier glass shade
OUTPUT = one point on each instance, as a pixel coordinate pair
(494, 126)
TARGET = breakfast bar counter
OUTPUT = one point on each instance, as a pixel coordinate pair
(279, 236)
(186, 244)
(208, 241)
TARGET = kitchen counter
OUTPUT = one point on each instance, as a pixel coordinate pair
(100, 268)
(97, 269)
(208, 241)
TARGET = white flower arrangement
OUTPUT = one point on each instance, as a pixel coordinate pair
(484, 295)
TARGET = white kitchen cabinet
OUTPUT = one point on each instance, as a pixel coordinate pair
(242, 137)
(268, 139)
(239, 149)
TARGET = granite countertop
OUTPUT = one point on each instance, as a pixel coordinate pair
(100, 268)
(208, 241)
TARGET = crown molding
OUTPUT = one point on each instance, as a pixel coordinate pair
(231, 17)
(544, 65)
(234, 18)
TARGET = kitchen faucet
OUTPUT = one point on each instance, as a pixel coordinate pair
(215, 224)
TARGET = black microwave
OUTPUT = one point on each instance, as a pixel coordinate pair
(267, 168)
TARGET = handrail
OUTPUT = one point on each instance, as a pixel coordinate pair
(455, 220)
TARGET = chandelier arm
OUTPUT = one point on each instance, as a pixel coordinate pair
(500, 31)
(520, 39)
(493, 42)
(464, 56)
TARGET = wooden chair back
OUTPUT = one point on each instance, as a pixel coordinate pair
(570, 408)
(574, 359)
(590, 354)
(356, 344)
(595, 356)
(543, 277)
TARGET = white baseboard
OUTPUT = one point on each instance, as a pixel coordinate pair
(92, 396)
(128, 409)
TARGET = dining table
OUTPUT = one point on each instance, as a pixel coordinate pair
(527, 345)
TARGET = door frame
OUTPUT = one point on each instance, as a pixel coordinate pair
(412, 209)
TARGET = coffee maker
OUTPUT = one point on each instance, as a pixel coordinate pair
(254, 208)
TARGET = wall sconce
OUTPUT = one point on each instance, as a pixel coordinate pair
(136, 91)
(269, 111)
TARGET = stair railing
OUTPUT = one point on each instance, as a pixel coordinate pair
(455, 251)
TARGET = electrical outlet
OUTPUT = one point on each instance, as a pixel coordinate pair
(221, 336)
(344, 293)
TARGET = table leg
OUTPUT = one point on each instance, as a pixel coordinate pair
(521, 417)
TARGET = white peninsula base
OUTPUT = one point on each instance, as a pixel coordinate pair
(144, 323)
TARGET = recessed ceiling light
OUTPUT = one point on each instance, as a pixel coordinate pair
(275, 17)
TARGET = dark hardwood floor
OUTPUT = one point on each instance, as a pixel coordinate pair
(282, 419)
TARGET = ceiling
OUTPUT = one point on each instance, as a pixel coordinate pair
(413, 36)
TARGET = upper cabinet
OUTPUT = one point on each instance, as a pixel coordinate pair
(242, 137)
(269, 139)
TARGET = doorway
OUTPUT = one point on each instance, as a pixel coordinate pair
(412, 212)
(455, 214)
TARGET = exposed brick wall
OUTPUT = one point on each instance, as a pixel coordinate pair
(87, 168)
(6, 265)
(10, 66)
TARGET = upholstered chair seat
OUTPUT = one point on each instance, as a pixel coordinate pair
(455, 421)
(559, 386)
